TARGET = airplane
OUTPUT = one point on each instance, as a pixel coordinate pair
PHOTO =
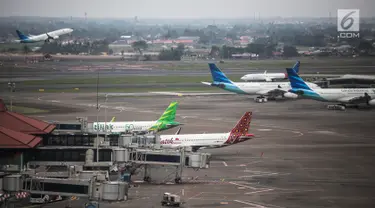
(166, 121)
(212, 140)
(46, 37)
(268, 77)
(344, 96)
(262, 89)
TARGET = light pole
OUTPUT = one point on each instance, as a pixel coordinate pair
(97, 118)
(105, 117)
(12, 88)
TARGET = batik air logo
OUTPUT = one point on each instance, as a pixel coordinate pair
(171, 141)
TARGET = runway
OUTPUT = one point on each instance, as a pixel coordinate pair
(303, 155)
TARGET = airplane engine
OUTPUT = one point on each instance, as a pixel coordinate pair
(290, 95)
(219, 85)
(56, 37)
(372, 102)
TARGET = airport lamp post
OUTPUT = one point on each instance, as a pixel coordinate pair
(12, 88)
(97, 118)
(97, 133)
(105, 117)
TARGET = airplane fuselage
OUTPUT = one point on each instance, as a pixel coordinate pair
(256, 88)
(46, 36)
(120, 127)
(268, 77)
(336, 95)
(194, 140)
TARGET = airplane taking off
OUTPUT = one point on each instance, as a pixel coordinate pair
(46, 37)
(166, 121)
(262, 89)
(344, 96)
(205, 141)
(268, 77)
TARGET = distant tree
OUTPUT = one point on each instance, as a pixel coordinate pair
(256, 48)
(365, 46)
(139, 46)
(215, 51)
(290, 51)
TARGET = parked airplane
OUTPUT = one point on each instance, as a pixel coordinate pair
(216, 140)
(344, 96)
(268, 77)
(262, 89)
(166, 121)
(46, 37)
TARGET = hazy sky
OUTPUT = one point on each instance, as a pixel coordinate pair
(182, 8)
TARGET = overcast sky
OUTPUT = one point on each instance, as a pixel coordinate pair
(183, 8)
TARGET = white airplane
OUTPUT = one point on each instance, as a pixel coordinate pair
(216, 140)
(344, 96)
(46, 37)
(166, 121)
(262, 89)
(268, 77)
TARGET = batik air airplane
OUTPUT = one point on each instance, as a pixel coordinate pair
(205, 141)
(166, 121)
(344, 96)
(46, 37)
(264, 90)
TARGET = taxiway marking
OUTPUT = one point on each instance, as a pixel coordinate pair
(249, 187)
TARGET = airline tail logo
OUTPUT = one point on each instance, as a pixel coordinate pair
(241, 130)
(218, 75)
(21, 35)
(170, 113)
(295, 81)
(296, 67)
(167, 119)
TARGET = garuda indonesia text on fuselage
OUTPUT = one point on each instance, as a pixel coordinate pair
(343, 96)
(166, 121)
(262, 89)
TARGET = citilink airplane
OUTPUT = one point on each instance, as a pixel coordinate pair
(46, 37)
(205, 141)
(262, 89)
(166, 121)
(344, 96)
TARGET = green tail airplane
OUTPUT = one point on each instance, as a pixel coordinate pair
(166, 121)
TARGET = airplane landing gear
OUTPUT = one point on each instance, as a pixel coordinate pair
(260, 99)
(336, 107)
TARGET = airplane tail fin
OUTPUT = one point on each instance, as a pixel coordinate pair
(296, 67)
(113, 119)
(169, 113)
(218, 75)
(21, 35)
(296, 81)
(240, 131)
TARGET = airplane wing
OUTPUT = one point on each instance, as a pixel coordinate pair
(355, 100)
(206, 83)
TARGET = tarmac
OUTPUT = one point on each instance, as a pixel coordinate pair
(303, 155)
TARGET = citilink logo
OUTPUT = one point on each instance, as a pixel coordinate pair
(348, 23)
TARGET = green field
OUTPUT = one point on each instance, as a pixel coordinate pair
(126, 80)
(264, 64)
(26, 110)
(130, 90)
